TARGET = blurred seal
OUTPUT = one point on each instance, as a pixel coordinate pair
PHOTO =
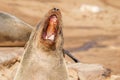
(13, 31)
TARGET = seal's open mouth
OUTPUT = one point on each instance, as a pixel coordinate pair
(50, 29)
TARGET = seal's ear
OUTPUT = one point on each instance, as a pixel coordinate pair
(70, 55)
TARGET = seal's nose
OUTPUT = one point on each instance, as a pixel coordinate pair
(55, 9)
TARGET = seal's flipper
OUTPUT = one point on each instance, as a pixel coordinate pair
(70, 55)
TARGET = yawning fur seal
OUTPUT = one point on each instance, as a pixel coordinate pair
(43, 57)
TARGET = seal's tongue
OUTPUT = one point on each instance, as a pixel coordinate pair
(51, 29)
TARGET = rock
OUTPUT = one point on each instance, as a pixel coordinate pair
(115, 77)
(82, 71)
(73, 74)
(10, 58)
(78, 71)
(8, 73)
(9, 61)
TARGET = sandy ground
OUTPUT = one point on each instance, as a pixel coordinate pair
(93, 37)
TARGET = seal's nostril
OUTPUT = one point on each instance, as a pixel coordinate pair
(55, 9)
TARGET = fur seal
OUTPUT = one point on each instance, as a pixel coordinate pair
(13, 31)
(43, 57)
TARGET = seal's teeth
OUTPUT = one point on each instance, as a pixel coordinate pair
(52, 37)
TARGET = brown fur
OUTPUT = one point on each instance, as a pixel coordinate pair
(41, 60)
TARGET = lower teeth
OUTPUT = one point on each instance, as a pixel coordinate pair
(50, 37)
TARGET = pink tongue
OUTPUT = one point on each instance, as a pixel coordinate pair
(53, 19)
(51, 28)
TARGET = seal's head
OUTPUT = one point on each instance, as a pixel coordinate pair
(49, 31)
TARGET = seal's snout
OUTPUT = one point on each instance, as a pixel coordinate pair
(52, 25)
(55, 9)
(51, 28)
